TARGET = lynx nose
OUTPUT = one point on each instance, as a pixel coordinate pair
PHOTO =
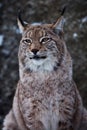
(35, 51)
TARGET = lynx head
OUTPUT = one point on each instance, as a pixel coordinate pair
(42, 46)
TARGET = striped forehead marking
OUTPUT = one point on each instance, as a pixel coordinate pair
(36, 32)
(29, 33)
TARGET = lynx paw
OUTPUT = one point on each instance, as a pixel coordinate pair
(9, 122)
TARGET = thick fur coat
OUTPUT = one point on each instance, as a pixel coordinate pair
(46, 97)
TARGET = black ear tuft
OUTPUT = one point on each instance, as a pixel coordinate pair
(63, 10)
(19, 17)
(21, 23)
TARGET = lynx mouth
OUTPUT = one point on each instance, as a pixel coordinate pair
(36, 57)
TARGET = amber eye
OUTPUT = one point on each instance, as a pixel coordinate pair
(45, 40)
(27, 41)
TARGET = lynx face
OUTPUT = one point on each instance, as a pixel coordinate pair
(40, 48)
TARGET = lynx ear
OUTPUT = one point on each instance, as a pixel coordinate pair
(58, 26)
(21, 23)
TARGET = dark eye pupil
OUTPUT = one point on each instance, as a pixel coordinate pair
(27, 40)
(45, 39)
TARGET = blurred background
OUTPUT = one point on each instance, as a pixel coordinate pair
(44, 11)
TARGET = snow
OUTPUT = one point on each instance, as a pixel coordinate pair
(36, 23)
(1, 39)
(75, 35)
(84, 19)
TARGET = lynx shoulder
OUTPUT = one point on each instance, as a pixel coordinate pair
(46, 97)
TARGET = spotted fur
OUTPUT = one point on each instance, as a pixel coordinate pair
(46, 97)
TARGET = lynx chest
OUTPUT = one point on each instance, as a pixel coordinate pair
(43, 100)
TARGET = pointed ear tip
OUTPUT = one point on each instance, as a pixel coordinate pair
(59, 20)
(17, 19)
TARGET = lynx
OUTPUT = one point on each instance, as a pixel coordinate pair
(46, 97)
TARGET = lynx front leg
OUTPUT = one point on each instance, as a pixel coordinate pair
(9, 122)
(83, 124)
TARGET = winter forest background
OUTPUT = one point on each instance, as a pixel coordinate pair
(44, 11)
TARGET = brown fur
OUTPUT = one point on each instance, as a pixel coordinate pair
(46, 97)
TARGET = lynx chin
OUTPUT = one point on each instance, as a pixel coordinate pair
(46, 96)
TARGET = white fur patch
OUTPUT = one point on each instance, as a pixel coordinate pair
(50, 118)
(42, 64)
(38, 62)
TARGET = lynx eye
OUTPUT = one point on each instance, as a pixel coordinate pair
(27, 41)
(45, 40)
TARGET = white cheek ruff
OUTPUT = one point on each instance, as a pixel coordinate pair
(47, 64)
(38, 62)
